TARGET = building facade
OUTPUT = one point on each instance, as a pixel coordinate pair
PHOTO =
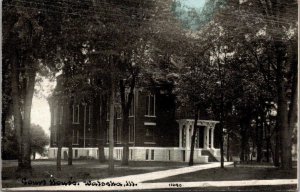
(155, 133)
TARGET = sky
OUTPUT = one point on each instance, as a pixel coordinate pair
(183, 11)
(194, 3)
(40, 112)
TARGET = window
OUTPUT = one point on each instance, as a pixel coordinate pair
(148, 155)
(76, 153)
(131, 153)
(131, 133)
(149, 131)
(61, 115)
(118, 130)
(149, 134)
(131, 109)
(76, 114)
(55, 116)
(150, 105)
(75, 139)
(152, 154)
(90, 114)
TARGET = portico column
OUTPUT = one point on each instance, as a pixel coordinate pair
(207, 134)
(205, 137)
(180, 135)
(212, 138)
(187, 136)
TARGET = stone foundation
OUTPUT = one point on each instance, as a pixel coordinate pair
(174, 154)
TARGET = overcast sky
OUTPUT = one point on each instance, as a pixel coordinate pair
(40, 111)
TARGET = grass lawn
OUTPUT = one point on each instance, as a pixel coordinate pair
(242, 172)
(233, 174)
(80, 170)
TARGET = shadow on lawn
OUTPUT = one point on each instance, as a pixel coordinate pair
(233, 174)
(81, 171)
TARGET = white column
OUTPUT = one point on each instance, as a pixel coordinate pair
(212, 137)
(180, 135)
(191, 129)
(187, 136)
(205, 138)
(207, 135)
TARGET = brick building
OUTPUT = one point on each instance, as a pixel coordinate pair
(155, 131)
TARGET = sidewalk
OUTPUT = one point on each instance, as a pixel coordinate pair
(140, 178)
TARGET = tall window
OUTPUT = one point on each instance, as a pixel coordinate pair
(75, 138)
(61, 115)
(118, 130)
(131, 133)
(76, 114)
(150, 105)
(131, 110)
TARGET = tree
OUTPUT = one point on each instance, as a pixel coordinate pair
(39, 140)
(249, 68)
(25, 39)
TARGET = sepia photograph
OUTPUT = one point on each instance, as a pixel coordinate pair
(149, 95)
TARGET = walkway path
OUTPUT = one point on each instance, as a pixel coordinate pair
(139, 178)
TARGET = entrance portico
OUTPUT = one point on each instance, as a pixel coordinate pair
(204, 135)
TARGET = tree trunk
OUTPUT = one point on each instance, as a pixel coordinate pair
(258, 139)
(244, 134)
(15, 92)
(60, 142)
(277, 146)
(267, 133)
(285, 135)
(70, 132)
(228, 147)
(58, 157)
(111, 127)
(191, 162)
(125, 123)
(27, 120)
(100, 125)
(282, 113)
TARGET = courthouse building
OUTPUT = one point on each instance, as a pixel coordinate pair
(157, 132)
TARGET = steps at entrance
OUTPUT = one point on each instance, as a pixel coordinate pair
(211, 158)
